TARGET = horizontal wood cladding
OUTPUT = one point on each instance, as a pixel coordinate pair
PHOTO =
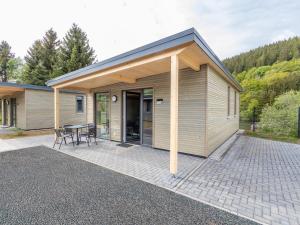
(191, 109)
(220, 125)
(21, 111)
(40, 109)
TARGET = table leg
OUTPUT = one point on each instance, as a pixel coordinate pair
(77, 136)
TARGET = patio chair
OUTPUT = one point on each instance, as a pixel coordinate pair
(61, 136)
(89, 134)
(68, 130)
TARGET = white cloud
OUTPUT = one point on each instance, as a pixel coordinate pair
(116, 26)
(283, 35)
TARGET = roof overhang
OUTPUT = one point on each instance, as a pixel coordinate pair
(148, 60)
(9, 91)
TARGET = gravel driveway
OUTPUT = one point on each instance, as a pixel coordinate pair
(41, 186)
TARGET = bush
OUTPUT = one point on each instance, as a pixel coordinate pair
(281, 118)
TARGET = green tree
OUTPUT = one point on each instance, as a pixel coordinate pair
(15, 69)
(41, 59)
(266, 55)
(281, 117)
(5, 56)
(50, 45)
(35, 72)
(263, 84)
(75, 51)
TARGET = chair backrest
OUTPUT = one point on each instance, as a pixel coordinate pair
(68, 130)
(58, 132)
(92, 131)
(91, 125)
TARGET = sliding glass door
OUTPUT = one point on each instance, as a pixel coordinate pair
(102, 115)
(147, 116)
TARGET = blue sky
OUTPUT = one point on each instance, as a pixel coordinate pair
(228, 26)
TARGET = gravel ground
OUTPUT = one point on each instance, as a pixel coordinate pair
(41, 186)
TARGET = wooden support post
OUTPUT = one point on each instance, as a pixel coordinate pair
(56, 108)
(90, 105)
(174, 115)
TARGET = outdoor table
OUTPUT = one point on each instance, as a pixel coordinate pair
(77, 127)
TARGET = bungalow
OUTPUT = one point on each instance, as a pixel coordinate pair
(31, 107)
(172, 94)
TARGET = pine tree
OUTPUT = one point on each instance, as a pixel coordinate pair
(5, 56)
(75, 51)
(35, 72)
(50, 45)
(41, 59)
(265, 55)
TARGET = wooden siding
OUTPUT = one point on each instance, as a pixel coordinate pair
(220, 126)
(40, 109)
(21, 111)
(191, 109)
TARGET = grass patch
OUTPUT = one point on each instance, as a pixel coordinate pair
(246, 125)
(272, 137)
(22, 133)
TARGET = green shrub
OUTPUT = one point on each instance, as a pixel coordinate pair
(281, 117)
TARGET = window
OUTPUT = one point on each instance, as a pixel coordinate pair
(148, 106)
(228, 101)
(235, 103)
(79, 104)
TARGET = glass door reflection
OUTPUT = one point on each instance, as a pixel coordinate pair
(102, 115)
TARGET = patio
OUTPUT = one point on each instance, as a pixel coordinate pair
(6, 130)
(144, 163)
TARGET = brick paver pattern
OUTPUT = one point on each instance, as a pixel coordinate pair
(257, 178)
(145, 163)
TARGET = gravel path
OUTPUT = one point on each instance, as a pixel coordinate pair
(41, 186)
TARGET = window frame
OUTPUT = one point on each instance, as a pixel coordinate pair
(76, 103)
(235, 101)
(228, 101)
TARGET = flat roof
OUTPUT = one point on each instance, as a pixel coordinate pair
(35, 87)
(172, 41)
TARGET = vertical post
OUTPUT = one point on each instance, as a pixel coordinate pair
(174, 115)
(299, 122)
(56, 108)
(3, 111)
(90, 107)
(254, 120)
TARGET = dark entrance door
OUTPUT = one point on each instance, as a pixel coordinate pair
(13, 112)
(133, 104)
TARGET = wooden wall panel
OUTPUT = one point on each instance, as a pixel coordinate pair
(219, 125)
(40, 109)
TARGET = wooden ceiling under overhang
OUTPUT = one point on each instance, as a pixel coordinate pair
(190, 56)
(6, 91)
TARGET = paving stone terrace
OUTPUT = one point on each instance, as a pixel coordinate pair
(145, 163)
(256, 178)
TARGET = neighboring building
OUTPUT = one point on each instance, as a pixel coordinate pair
(172, 94)
(32, 107)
